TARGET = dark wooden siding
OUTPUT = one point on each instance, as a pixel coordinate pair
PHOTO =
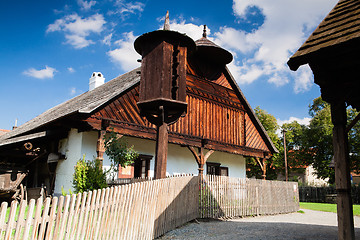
(253, 138)
(215, 117)
(214, 114)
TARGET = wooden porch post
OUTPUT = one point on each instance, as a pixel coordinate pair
(161, 150)
(100, 148)
(342, 172)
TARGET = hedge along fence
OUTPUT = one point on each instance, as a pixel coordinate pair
(323, 194)
(225, 197)
(145, 210)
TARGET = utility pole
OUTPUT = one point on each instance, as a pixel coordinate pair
(285, 157)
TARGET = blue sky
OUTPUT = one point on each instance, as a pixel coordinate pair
(49, 49)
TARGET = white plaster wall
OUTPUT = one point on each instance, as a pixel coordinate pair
(71, 148)
(235, 163)
(180, 160)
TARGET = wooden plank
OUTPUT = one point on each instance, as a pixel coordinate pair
(76, 217)
(80, 215)
(109, 214)
(44, 219)
(52, 218)
(37, 218)
(3, 211)
(59, 214)
(21, 219)
(104, 196)
(70, 216)
(64, 217)
(11, 221)
(29, 219)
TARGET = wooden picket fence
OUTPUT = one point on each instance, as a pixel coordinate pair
(123, 181)
(144, 210)
(136, 211)
(225, 197)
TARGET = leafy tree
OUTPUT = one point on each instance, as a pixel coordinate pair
(118, 151)
(354, 142)
(297, 152)
(269, 122)
(307, 144)
(319, 138)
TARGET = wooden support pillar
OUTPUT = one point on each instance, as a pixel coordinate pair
(100, 148)
(342, 172)
(161, 150)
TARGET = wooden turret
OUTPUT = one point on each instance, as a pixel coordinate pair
(163, 73)
(162, 97)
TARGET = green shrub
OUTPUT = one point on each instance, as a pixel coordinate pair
(88, 176)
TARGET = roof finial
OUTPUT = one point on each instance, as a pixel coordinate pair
(204, 31)
(167, 21)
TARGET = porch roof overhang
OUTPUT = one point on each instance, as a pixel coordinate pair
(332, 51)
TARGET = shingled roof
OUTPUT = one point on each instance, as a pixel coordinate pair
(341, 26)
(84, 103)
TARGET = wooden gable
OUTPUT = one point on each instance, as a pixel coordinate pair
(216, 117)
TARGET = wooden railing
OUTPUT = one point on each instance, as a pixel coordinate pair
(225, 197)
(144, 210)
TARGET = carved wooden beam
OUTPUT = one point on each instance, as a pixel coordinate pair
(207, 155)
(200, 157)
(262, 165)
(195, 154)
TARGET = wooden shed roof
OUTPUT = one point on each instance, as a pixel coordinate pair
(341, 26)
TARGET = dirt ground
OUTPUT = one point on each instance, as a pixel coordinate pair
(299, 226)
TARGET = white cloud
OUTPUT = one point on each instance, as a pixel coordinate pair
(125, 55)
(77, 29)
(287, 24)
(245, 74)
(78, 41)
(71, 70)
(47, 72)
(124, 9)
(303, 121)
(86, 5)
(191, 30)
(303, 79)
(231, 38)
(107, 39)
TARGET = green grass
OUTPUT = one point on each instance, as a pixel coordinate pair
(326, 207)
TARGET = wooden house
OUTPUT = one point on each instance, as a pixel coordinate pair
(220, 127)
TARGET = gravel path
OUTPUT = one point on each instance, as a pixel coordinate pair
(308, 225)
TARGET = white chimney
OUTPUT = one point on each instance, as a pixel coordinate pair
(96, 80)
